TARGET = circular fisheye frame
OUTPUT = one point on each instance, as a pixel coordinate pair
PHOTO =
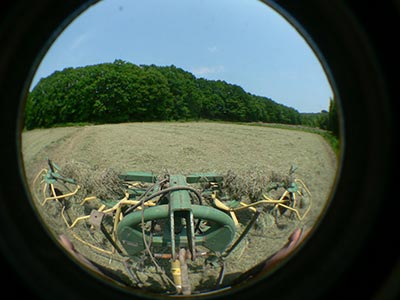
(170, 210)
(187, 230)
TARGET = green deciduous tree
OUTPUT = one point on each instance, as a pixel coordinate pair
(125, 92)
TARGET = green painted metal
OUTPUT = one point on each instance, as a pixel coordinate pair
(53, 175)
(203, 177)
(217, 238)
(129, 232)
(179, 199)
(180, 210)
(138, 176)
(293, 188)
(150, 177)
(177, 209)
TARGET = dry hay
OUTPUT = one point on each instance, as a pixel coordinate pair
(157, 147)
(102, 183)
(249, 186)
(246, 186)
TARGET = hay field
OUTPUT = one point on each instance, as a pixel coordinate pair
(186, 148)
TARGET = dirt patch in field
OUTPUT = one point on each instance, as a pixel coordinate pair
(252, 153)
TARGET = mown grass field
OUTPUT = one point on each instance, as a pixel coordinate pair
(187, 148)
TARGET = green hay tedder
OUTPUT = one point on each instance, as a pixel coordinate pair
(178, 218)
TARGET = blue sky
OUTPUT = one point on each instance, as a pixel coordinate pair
(243, 42)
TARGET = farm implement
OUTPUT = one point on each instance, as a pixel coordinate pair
(172, 218)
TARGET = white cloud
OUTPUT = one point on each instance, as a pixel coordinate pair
(208, 70)
(212, 49)
(78, 41)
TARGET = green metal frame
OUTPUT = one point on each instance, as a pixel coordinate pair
(176, 208)
(180, 214)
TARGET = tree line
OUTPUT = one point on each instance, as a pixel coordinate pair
(327, 120)
(124, 92)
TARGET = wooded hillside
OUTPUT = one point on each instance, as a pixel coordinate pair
(124, 92)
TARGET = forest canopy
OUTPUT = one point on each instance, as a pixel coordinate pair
(124, 92)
